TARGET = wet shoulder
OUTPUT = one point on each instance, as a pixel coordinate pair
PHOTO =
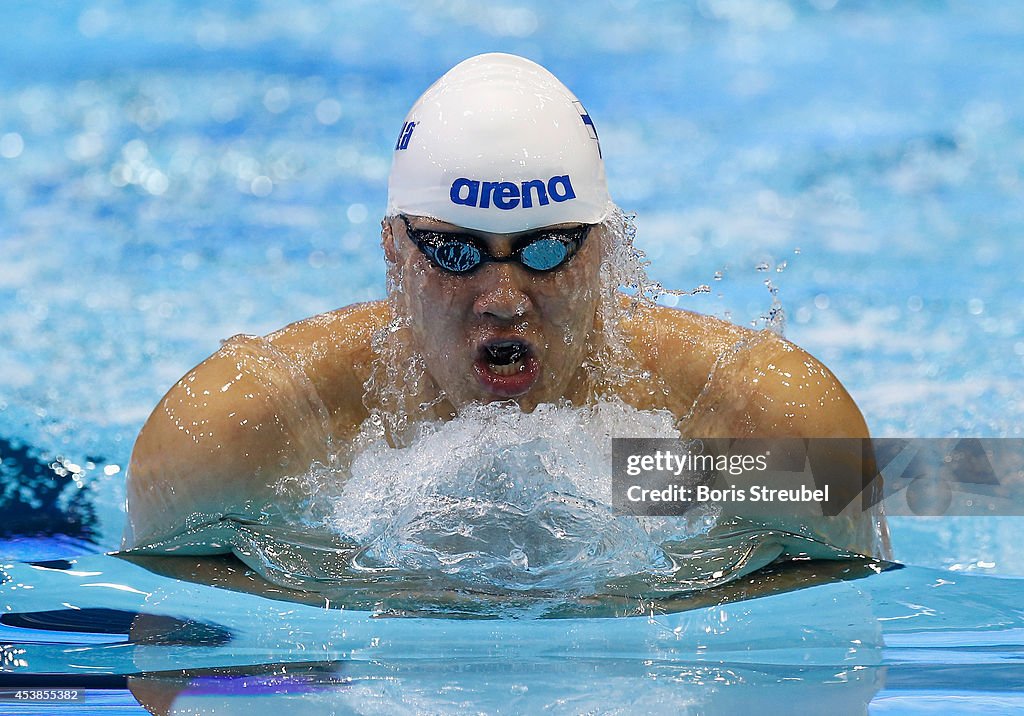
(335, 351)
(731, 380)
(679, 348)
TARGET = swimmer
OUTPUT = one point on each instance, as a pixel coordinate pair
(505, 255)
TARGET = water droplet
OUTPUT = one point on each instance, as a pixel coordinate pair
(519, 559)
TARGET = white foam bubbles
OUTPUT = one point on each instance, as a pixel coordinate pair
(501, 497)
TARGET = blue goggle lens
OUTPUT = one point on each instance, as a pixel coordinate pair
(544, 254)
(457, 256)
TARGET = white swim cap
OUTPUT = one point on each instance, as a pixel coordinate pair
(499, 144)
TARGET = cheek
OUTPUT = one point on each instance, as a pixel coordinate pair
(572, 298)
(433, 307)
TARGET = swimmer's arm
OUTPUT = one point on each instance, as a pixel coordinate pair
(806, 397)
(255, 411)
(725, 381)
(773, 389)
(214, 445)
(761, 386)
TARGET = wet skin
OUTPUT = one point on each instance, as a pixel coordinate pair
(261, 409)
(456, 317)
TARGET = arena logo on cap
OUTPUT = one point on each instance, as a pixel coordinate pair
(404, 136)
(508, 195)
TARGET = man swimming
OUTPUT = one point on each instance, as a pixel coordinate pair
(505, 255)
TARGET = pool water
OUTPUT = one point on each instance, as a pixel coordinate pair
(900, 639)
(174, 174)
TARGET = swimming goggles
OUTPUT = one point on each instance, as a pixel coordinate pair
(539, 251)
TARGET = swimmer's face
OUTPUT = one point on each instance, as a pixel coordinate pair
(501, 332)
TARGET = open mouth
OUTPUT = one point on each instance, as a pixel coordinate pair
(506, 357)
(507, 367)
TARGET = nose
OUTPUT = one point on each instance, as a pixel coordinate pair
(502, 296)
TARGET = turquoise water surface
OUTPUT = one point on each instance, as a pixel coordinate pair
(172, 174)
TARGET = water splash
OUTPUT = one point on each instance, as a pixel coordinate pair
(774, 318)
(501, 497)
